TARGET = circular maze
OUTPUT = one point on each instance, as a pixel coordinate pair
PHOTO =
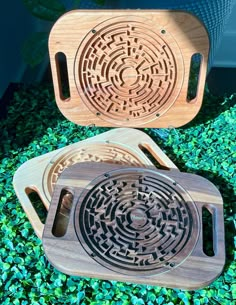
(136, 221)
(97, 152)
(126, 71)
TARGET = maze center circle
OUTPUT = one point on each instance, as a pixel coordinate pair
(127, 71)
(97, 152)
(136, 222)
(129, 76)
(138, 218)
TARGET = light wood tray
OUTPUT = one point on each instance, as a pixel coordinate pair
(122, 146)
(136, 225)
(128, 68)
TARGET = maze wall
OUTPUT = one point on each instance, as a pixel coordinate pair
(136, 222)
(97, 152)
(127, 71)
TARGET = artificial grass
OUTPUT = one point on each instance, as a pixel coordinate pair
(34, 125)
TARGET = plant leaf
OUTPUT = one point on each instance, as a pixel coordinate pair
(49, 10)
(35, 48)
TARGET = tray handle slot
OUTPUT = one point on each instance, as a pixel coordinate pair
(212, 239)
(194, 76)
(35, 210)
(62, 76)
(157, 157)
(208, 228)
(61, 219)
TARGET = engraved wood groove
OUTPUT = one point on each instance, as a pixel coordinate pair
(138, 225)
(128, 68)
(118, 146)
(136, 222)
(127, 72)
(103, 152)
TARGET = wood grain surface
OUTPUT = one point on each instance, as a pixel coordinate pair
(121, 146)
(128, 68)
(139, 225)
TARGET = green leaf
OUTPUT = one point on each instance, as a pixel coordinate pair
(49, 10)
(80, 296)
(6, 266)
(233, 289)
(35, 48)
(58, 292)
(151, 296)
(160, 300)
(16, 302)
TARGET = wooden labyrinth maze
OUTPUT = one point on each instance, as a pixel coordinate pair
(128, 68)
(133, 224)
(122, 146)
(111, 213)
(104, 152)
(126, 71)
(136, 222)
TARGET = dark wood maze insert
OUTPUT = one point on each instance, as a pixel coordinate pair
(136, 222)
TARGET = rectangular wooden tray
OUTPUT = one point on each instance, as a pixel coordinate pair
(123, 145)
(135, 225)
(128, 68)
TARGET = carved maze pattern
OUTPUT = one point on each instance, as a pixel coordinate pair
(136, 222)
(94, 153)
(126, 71)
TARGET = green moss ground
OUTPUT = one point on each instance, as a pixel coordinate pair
(34, 126)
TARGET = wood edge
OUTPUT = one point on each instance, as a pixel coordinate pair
(161, 122)
(126, 278)
(30, 212)
(23, 170)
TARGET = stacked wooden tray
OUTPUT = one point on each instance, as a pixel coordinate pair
(128, 68)
(118, 146)
(111, 213)
(134, 224)
(118, 217)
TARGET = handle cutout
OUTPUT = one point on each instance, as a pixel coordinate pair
(194, 73)
(62, 76)
(208, 230)
(37, 204)
(61, 220)
(153, 158)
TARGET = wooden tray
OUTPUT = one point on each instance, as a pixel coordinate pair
(128, 68)
(136, 225)
(121, 146)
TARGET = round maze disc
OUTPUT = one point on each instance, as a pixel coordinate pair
(96, 152)
(136, 221)
(128, 70)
